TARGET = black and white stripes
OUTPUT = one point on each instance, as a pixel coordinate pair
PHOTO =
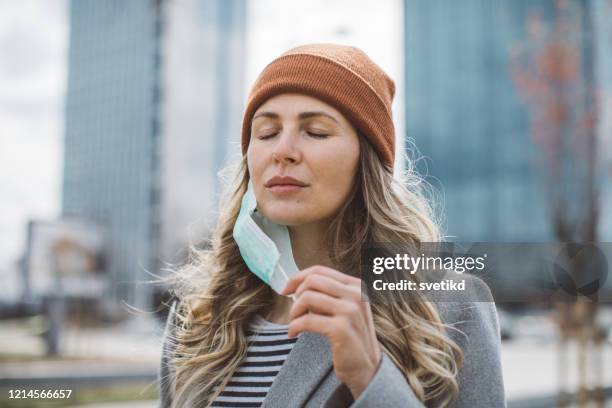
(268, 348)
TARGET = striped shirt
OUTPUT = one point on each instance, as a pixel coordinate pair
(268, 348)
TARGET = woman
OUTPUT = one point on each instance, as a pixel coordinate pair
(318, 154)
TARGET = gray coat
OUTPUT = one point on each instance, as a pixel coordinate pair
(307, 378)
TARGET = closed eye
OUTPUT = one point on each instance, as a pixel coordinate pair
(264, 137)
(312, 134)
(318, 135)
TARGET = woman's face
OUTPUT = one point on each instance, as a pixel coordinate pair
(301, 137)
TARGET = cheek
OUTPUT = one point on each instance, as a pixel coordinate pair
(338, 162)
(335, 174)
(254, 164)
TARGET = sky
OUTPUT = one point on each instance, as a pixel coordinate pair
(32, 84)
(33, 75)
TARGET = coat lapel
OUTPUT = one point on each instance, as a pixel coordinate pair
(306, 365)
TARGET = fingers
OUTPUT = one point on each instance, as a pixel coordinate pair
(324, 293)
(329, 286)
(321, 303)
(314, 323)
(298, 278)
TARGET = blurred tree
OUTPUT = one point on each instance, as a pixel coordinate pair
(553, 68)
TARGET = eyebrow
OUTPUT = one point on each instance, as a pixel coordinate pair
(303, 115)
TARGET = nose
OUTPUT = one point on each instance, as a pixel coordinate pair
(286, 149)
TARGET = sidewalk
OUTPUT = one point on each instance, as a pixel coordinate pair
(531, 368)
(135, 341)
(76, 373)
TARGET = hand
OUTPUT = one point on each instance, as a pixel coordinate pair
(329, 302)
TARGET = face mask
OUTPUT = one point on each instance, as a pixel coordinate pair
(264, 246)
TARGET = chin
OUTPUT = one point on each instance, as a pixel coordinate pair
(287, 219)
(286, 215)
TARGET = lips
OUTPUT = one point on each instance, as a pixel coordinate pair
(284, 181)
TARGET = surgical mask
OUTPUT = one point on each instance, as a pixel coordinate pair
(264, 245)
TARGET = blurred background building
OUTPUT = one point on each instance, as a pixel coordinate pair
(466, 116)
(151, 86)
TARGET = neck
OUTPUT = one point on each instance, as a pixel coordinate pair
(308, 250)
(307, 245)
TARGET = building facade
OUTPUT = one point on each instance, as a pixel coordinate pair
(146, 125)
(465, 115)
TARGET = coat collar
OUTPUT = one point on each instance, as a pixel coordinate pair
(305, 367)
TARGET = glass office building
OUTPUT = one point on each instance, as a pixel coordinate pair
(147, 125)
(464, 113)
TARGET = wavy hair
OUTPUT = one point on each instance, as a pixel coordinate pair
(219, 295)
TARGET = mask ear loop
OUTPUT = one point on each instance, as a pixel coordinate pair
(286, 280)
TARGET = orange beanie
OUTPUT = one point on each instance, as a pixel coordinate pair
(342, 76)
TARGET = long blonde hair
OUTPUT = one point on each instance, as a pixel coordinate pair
(218, 294)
